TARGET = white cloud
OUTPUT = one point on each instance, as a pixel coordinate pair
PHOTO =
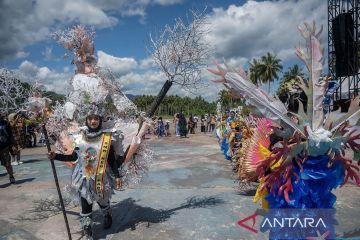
(167, 2)
(47, 53)
(236, 62)
(66, 69)
(287, 54)
(28, 69)
(210, 89)
(117, 65)
(255, 28)
(147, 63)
(149, 82)
(53, 80)
(21, 54)
(25, 22)
(208, 92)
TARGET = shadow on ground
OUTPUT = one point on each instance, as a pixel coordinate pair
(3, 174)
(138, 214)
(17, 182)
(247, 192)
(46, 208)
(32, 161)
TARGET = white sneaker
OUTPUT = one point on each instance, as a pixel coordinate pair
(14, 163)
(20, 162)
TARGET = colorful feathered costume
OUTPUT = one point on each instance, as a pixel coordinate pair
(255, 149)
(303, 168)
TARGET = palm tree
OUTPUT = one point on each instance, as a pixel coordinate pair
(269, 68)
(254, 71)
(292, 73)
(290, 78)
(224, 98)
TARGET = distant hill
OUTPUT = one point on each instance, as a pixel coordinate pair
(130, 96)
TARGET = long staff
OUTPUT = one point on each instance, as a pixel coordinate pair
(56, 182)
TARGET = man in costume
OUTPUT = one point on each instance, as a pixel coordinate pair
(96, 150)
(231, 118)
(16, 124)
(93, 174)
(6, 142)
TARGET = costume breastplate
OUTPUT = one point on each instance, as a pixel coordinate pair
(92, 153)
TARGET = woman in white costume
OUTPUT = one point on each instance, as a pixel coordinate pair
(95, 169)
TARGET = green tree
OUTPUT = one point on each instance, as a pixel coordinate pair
(293, 72)
(55, 97)
(255, 71)
(269, 68)
(175, 104)
(224, 98)
(290, 78)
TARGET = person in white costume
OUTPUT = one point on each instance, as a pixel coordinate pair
(110, 139)
(95, 169)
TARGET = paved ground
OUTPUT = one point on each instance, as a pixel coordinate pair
(189, 193)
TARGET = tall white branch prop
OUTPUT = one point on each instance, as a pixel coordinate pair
(312, 56)
(180, 53)
(11, 91)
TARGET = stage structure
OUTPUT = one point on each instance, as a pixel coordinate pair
(344, 49)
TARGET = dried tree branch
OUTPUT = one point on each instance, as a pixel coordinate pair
(180, 51)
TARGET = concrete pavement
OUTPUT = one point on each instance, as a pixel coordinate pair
(189, 193)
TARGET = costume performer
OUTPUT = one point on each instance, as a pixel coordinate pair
(16, 123)
(95, 167)
(310, 160)
(225, 145)
(6, 143)
(97, 132)
(11, 90)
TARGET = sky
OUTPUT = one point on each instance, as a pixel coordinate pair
(239, 31)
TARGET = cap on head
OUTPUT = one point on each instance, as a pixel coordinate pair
(93, 110)
(93, 113)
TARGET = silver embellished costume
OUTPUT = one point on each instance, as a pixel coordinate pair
(88, 148)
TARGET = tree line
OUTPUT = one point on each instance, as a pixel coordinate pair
(175, 104)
